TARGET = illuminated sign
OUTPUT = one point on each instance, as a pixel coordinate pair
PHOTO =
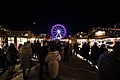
(100, 33)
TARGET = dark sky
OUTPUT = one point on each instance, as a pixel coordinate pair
(74, 15)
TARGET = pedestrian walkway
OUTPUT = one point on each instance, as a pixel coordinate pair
(75, 69)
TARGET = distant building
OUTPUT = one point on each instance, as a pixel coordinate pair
(104, 32)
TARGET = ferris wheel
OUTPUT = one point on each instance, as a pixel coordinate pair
(58, 31)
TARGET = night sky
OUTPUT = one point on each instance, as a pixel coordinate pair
(76, 16)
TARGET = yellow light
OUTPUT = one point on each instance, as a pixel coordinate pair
(100, 33)
(26, 34)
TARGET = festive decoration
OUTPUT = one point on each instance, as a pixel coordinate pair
(58, 31)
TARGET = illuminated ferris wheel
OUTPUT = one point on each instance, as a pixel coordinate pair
(58, 31)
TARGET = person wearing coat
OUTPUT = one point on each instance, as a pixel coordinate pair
(42, 53)
(94, 52)
(11, 58)
(53, 59)
(25, 58)
(109, 64)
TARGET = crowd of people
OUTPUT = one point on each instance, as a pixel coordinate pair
(49, 55)
(108, 63)
(52, 52)
(90, 53)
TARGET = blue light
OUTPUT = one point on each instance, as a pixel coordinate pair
(58, 31)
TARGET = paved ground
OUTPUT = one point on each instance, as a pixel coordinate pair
(75, 69)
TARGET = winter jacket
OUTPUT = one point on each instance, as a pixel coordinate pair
(42, 53)
(53, 59)
(11, 56)
(25, 56)
(109, 67)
